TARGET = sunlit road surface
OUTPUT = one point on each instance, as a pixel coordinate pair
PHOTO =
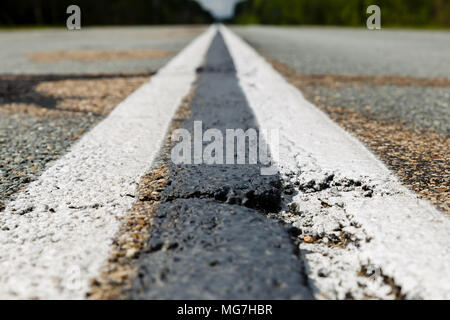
(94, 207)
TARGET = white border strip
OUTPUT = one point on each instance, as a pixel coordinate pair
(56, 236)
(410, 238)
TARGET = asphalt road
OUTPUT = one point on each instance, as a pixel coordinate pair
(333, 222)
(338, 51)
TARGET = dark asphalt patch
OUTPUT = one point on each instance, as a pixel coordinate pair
(209, 238)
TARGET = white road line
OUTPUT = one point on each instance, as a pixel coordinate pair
(56, 235)
(405, 240)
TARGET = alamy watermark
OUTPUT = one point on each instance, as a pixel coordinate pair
(212, 148)
(74, 20)
(374, 20)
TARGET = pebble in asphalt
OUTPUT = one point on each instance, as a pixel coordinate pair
(210, 238)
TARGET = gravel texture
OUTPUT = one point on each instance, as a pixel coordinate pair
(19, 47)
(410, 70)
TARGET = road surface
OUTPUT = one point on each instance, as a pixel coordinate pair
(110, 214)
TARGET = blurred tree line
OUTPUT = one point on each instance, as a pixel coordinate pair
(103, 12)
(421, 13)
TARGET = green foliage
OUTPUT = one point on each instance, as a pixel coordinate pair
(103, 12)
(423, 13)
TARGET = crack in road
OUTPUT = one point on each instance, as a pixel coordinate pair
(210, 237)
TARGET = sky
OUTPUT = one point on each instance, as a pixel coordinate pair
(220, 8)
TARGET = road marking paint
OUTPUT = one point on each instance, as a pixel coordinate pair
(393, 230)
(56, 235)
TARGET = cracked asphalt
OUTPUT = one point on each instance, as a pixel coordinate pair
(210, 238)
